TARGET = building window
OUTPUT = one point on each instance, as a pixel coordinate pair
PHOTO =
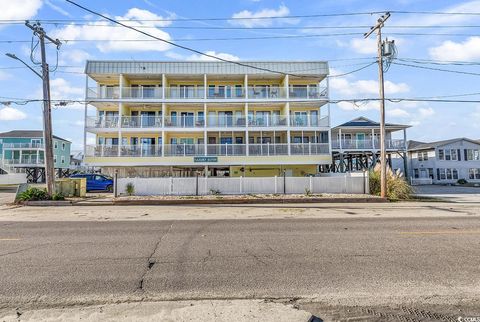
(55, 145)
(474, 174)
(63, 146)
(422, 156)
(63, 159)
(472, 155)
(54, 159)
(441, 155)
(447, 174)
(415, 173)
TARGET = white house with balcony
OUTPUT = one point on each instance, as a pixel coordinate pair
(444, 162)
(156, 118)
(356, 145)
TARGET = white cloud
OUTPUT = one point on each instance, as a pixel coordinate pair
(75, 56)
(100, 30)
(364, 87)
(450, 50)
(11, 114)
(364, 46)
(213, 53)
(196, 57)
(19, 9)
(398, 112)
(253, 21)
(4, 75)
(57, 8)
(426, 112)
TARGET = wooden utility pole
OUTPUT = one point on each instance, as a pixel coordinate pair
(47, 115)
(383, 154)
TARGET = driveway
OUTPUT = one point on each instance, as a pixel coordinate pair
(7, 194)
(450, 193)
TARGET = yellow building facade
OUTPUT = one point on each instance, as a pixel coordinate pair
(209, 118)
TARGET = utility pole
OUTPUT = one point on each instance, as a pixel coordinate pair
(383, 154)
(47, 115)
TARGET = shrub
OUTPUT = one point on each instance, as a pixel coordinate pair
(214, 191)
(32, 194)
(462, 181)
(308, 193)
(397, 187)
(58, 196)
(130, 188)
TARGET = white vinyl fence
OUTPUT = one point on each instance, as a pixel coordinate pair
(13, 178)
(348, 183)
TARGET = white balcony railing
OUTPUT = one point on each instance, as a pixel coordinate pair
(199, 92)
(26, 146)
(367, 144)
(213, 121)
(265, 149)
(185, 92)
(142, 92)
(266, 92)
(25, 160)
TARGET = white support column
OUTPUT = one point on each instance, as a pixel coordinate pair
(120, 113)
(163, 143)
(245, 85)
(373, 139)
(205, 85)
(340, 139)
(287, 85)
(85, 119)
(205, 134)
(246, 131)
(164, 85)
(289, 124)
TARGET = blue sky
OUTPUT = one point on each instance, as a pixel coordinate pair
(430, 121)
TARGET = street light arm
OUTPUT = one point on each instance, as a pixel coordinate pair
(13, 56)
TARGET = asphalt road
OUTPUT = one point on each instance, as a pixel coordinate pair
(334, 262)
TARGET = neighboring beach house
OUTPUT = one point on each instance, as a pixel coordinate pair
(444, 161)
(24, 150)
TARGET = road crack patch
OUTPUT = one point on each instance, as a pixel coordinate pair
(151, 261)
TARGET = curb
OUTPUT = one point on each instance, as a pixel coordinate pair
(175, 202)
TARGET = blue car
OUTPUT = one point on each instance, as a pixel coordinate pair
(96, 181)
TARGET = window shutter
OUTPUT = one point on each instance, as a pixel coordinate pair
(465, 154)
(438, 174)
(459, 155)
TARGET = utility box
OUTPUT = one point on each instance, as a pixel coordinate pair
(388, 48)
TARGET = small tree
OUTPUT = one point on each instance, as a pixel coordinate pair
(130, 188)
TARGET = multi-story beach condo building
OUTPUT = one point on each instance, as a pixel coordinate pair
(209, 118)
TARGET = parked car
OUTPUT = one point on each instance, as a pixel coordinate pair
(96, 181)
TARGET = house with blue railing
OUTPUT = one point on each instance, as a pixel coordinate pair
(24, 151)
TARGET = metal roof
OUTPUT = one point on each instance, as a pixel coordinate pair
(417, 145)
(27, 134)
(313, 68)
(361, 121)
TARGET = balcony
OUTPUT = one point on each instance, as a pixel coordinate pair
(213, 121)
(183, 150)
(23, 146)
(142, 92)
(307, 92)
(25, 160)
(266, 92)
(259, 92)
(368, 144)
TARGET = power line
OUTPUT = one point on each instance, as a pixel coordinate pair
(353, 71)
(437, 69)
(181, 46)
